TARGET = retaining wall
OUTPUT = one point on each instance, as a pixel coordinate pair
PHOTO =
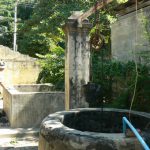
(20, 69)
(28, 109)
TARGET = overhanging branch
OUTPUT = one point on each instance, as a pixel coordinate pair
(93, 9)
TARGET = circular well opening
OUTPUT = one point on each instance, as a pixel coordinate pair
(102, 121)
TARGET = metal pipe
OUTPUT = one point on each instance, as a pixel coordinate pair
(125, 121)
(15, 27)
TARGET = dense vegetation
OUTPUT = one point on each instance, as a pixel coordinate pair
(6, 23)
(7, 19)
(40, 35)
(118, 83)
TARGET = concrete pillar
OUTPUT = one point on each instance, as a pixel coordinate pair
(77, 61)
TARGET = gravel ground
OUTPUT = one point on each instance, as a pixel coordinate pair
(28, 143)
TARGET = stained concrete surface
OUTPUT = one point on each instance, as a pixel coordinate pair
(28, 109)
(30, 143)
(17, 139)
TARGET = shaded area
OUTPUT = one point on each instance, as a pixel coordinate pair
(104, 122)
(3, 119)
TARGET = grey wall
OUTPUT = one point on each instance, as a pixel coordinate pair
(19, 68)
(28, 109)
(126, 31)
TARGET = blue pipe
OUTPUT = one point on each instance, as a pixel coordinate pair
(125, 121)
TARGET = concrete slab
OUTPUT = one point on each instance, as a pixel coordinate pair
(19, 139)
(18, 132)
(19, 143)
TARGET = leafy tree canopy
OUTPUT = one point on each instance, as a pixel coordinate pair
(40, 31)
(47, 20)
(7, 7)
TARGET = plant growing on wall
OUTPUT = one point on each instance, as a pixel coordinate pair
(118, 83)
(52, 68)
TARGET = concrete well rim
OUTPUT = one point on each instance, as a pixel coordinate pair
(52, 126)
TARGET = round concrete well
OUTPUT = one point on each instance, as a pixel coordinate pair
(91, 129)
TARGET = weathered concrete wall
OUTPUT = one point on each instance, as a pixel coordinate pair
(28, 109)
(20, 69)
(131, 35)
(77, 60)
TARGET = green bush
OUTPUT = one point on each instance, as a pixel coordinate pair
(118, 82)
(52, 68)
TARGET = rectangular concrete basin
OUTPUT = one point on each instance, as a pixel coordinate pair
(27, 105)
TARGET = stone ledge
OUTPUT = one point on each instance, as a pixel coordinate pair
(54, 131)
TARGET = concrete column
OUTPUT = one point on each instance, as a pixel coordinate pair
(77, 60)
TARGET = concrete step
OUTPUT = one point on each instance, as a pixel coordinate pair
(18, 132)
(19, 139)
(19, 143)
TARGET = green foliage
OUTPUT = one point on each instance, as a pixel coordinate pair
(45, 25)
(7, 19)
(52, 68)
(48, 18)
(118, 80)
(6, 22)
(37, 43)
(40, 35)
(37, 24)
(43, 31)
